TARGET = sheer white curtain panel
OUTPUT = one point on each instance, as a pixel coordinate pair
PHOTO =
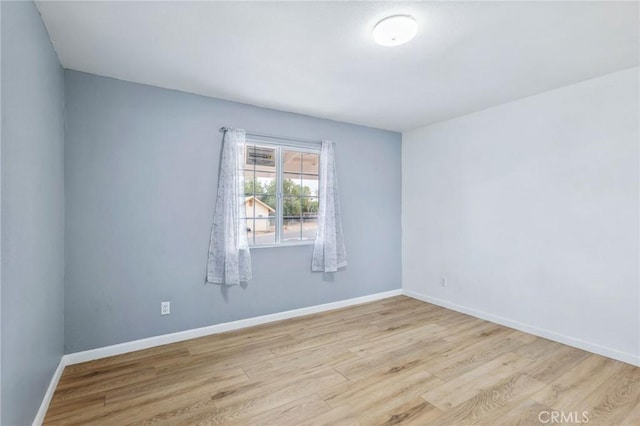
(229, 256)
(329, 252)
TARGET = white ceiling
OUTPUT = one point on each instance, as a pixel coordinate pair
(318, 58)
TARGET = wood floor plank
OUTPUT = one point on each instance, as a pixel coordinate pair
(398, 353)
(472, 358)
(524, 413)
(613, 400)
(254, 401)
(315, 341)
(568, 389)
(103, 386)
(550, 366)
(523, 337)
(538, 348)
(489, 403)
(285, 389)
(413, 315)
(388, 341)
(414, 412)
(343, 416)
(292, 413)
(484, 345)
(180, 381)
(472, 329)
(381, 398)
(177, 407)
(353, 391)
(141, 357)
(314, 358)
(463, 387)
(393, 361)
(89, 377)
(237, 347)
(633, 418)
(64, 409)
(135, 403)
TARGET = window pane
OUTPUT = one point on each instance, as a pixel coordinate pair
(249, 182)
(259, 182)
(309, 206)
(291, 184)
(310, 163)
(309, 228)
(292, 161)
(260, 206)
(249, 206)
(265, 182)
(300, 190)
(269, 206)
(267, 169)
(291, 206)
(264, 231)
(291, 229)
(309, 185)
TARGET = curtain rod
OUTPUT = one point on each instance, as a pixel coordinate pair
(266, 135)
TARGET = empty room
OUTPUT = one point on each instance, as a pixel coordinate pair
(320, 213)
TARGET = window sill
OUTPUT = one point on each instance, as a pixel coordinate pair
(292, 244)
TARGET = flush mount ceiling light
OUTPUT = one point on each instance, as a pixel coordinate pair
(395, 30)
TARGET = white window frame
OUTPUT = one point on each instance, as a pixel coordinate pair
(310, 148)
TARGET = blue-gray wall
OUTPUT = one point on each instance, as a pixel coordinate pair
(141, 167)
(32, 212)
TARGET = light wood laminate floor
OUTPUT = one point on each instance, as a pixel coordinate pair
(394, 361)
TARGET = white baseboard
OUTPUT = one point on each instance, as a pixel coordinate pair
(164, 339)
(150, 342)
(44, 406)
(633, 359)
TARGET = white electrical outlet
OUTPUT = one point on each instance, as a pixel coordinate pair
(443, 281)
(165, 308)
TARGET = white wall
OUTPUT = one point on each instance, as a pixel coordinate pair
(530, 209)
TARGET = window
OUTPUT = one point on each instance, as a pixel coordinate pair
(281, 194)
